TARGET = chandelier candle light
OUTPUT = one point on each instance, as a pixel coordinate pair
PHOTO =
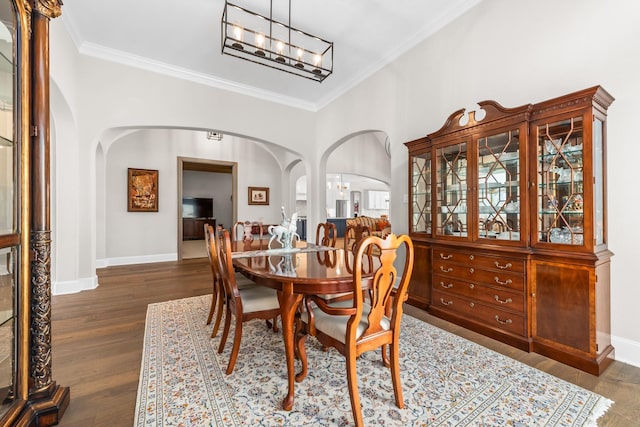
(253, 37)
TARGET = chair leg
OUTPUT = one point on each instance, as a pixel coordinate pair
(225, 331)
(236, 345)
(214, 300)
(212, 308)
(395, 373)
(385, 356)
(220, 305)
(352, 380)
(272, 324)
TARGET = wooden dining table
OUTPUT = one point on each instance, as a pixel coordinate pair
(294, 274)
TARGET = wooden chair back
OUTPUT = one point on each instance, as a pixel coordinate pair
(217, 294)
(245, 230)
(353, 234)
(326, 234)
(388, 288)
(225, 267)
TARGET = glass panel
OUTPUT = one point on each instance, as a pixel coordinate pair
(598, 173)
(451, 176)
(499, 186)
(421, 183)
(7, 326)
(6, 118)
(560, 190)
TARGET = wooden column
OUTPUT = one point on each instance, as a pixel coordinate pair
(47, 400)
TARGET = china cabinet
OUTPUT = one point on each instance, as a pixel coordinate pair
(28, 395)
(508, 216)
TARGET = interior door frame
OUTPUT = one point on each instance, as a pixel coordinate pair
(207, 165)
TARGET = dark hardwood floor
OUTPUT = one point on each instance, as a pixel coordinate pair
(97, 345)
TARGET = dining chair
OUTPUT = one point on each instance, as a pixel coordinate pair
(326, 234)
(249, 228)
(218, 293)
(353, 234)
(357, 326)
(244, 304)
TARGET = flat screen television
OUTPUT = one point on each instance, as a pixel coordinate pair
(197, 207)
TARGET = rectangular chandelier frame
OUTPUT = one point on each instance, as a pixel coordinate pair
(253, 37)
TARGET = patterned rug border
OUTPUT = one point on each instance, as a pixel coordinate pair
(182, 381)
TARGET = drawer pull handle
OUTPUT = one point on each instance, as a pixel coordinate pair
(445, 302)
(446, 285)
(471, 305)
(471, 257)
(446, 270)
(443, 256)
(503, 267)
(499, 282)
(503, 322)
(471, 286)
(506, 301)
(471, 270)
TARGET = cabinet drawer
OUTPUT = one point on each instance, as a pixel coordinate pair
(480, 261)
(503, 298)
(487, 315)
(476, 275)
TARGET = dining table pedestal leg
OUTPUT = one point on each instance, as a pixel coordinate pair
(288, 305)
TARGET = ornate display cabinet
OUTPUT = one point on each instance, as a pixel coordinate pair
(28, 395)
(511, 241)
(570, 304)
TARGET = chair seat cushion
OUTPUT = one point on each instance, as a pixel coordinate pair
(329, 297)
(336, 326)
(243, 281)
(258, 298)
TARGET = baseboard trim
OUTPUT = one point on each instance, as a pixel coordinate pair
(626, 350)
(74, 286)
(143, 259)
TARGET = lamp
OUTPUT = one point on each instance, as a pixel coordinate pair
(253, 37)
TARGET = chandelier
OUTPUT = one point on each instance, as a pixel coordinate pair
(253, 37)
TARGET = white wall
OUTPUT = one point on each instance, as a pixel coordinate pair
(134, 237)
(514, 52)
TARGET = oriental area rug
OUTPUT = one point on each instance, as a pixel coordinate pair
(446, 381)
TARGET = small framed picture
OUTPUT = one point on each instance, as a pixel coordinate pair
(258, 195)
(142, 190)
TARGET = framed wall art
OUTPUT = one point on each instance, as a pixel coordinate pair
(142, 190)
(258, 195)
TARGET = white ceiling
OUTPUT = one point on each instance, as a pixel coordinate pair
(182, 38)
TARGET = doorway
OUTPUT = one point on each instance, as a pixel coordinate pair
(217, 192)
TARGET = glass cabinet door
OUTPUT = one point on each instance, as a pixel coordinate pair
(560, 198)
(451, 188)
(499, 176)
(9, 239)
(421, 193)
